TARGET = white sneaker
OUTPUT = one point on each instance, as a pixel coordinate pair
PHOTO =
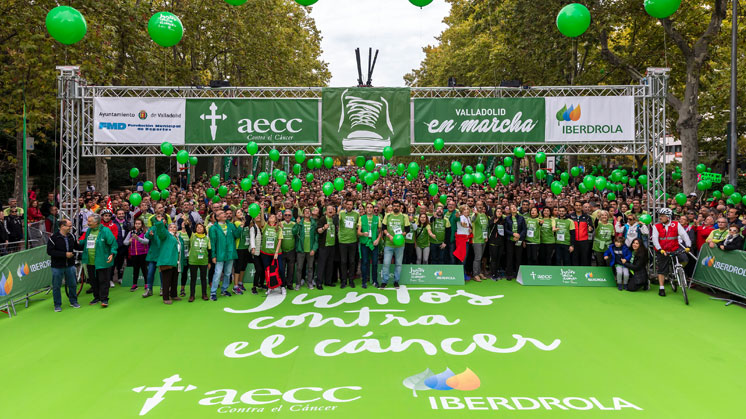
(111, 284)
(297, 287)
(268, 291)
(284, 290)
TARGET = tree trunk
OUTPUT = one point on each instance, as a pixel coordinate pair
(150, 168)
(217, 167)
(17, 193)
(102, 175)
(687, 125)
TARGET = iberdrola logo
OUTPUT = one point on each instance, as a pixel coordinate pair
(6, 284)
(567, 115)
(446, 380)
(708, 261)
(589, 275)
(23, 270)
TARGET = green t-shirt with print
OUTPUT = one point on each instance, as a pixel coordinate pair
(480, 224)
(547, 231)
(348, 226)
(438, 227)
(307, 236)
(288, 241)
(91, 236)
(244, 241)
(421, 237)
(331, 232)
(533, 235)
(270, 236)
(395, 224)
(602, 237)
(564, 226)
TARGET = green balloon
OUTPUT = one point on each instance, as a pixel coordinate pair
(565, 177)
(400, 169)
(432, 189)
(192, 161)
(182, 157)
(556, 187)
(589, 181)
(398, 239)
(328, 162)
(360, 161)
(281, 177)
(309, 177)
(306, 2)
(167, 149)
(413, 169)
(611, 196)
(165, 194)
(369, 179)
(274, 155)
(468, 180)
(210, 192)
(284, 189)
(449, 179)
(263, 178)
(728, 189)
(297, 168)
(643, 179)
(717, 194)
(646, 219)
(66, 24)
(541, 157)
(223, 191)
(388, 152)
(383, 172)
(499, 171)
(519, 152)
(662, 9)
(163, 181)
(443, 199)
(632, 183)
(701, 168)
(245, 184)
(480, 168)
(680, 199)
(582, 188)
(235, 2)
(147, 186)
(155, 195)
(492, 181)
(370, 165)
(165, 29)
(438, 144)
(479, 178)
(135, 199)
(300, 156)
(736, 197)
(216, 199)
(505, 180)
(215, 181)
(134, 172)
(541, 174)
(327, 188)
(575, 171)
(508, 161)
(296, 184)
(252, 148)
(254, 210)
(456, 168)
(702, 185)
(353, 179)
(469, 170)
(601, 183)
(359, 187)
(339, 184)
(573, 20)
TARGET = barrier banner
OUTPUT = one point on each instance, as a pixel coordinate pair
(275, 121)
(137, 120)
(569, 276)
(365, 120)
(428, 275)
(479, 120)
(24, 272)
(722, 270)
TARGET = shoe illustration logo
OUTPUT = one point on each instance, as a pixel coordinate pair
(708, 261)
(23, 270)
(142, 115)
(365, 123)
(160, 392)
(446, 380)
(567, 115)
(6, 284)
(213, 117)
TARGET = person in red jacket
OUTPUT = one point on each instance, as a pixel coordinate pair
(704, 231)
(666, 237)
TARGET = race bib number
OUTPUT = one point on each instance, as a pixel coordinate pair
(397, 230)
(200, 256)
(484, 235)
(501, 230)
(561, 237)
(91, 243)
(409, 236)
(530, 234)
(370, 234)
(349, 223)
(271, 243)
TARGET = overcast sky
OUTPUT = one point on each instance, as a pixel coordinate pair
(396, 27)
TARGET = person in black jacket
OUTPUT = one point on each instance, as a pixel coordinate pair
(496, 242)
(60, 249)
(515, 231)
(734, 240)
(638, 267)
(14, 225)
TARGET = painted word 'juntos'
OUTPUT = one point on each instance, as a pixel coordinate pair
(428, 296)
(335, 347)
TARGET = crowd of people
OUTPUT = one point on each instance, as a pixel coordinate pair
(314, 240)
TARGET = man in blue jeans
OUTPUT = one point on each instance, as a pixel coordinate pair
(223, 237)
(60, 249)
(394, 224)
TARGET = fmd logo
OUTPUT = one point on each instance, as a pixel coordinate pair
(114, 126)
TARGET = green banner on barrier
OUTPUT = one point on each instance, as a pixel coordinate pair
(723, 270)
(24, 272)
(429, 275)
(569, 276)
(277, 121)
(365, 120)
(479, 120)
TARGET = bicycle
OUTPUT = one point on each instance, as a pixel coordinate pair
(677, 277)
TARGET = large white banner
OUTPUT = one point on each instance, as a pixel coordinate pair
(572, 119)
(138, 120)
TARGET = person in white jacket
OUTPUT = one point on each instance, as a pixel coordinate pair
(632, 230)
(255, 239)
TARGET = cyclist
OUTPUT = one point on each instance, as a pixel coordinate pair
(666, 237)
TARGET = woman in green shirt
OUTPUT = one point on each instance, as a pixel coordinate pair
(422, 235)
(480, 227)
(533, 236)
(548, 227)
(269, 249)
(410, 256)
(602, 237)
(185, 233)
(199, 244)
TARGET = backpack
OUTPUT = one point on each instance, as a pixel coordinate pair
(272, 275)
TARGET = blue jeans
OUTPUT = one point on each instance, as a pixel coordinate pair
(449, 258)
(69, 274)
(151, 275)
(369, 257)
(222, 269)
(398, 253)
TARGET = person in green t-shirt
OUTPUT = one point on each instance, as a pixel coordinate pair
(305, 248)
(327, 227)
(369, 232)
(533, 238)
(547, 240)
(100, 248)
(602, 237)
(422, 235)
(199, 245)
(394, 224)
(563, 236)
(441, 229)
(410, 256)
(288, 248)
(270, 249)
(480, 227)
(348, 227)
(452, 215)
(184, 234)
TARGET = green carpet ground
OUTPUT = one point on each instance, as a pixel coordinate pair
(668, 359)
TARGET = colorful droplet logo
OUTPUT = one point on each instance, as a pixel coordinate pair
(6, 285)
(23, 270)
(571, 114)
(438, 381)
(466, 381)
(446, 380)
(708, 261)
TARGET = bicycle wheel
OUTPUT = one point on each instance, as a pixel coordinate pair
(682, 283)
(674, 282)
